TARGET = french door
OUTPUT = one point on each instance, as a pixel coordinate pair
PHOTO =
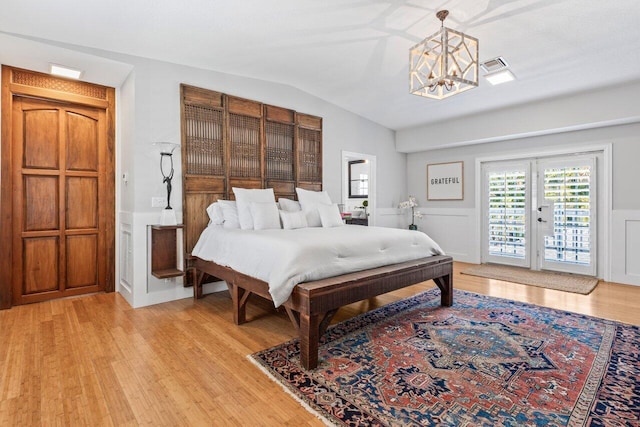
(541, 214)
(566, 215)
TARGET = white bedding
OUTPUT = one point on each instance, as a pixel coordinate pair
(284, 258)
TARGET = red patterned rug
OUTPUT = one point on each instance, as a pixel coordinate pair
(482, 362)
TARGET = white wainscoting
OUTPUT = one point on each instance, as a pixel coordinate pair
(390, 217)
(125, 258)
(625, 247)
(454, 230)
(135, 282)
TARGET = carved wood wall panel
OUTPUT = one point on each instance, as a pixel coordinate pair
(245, 147)
(44, 81)
(204, 136)
(234, 142)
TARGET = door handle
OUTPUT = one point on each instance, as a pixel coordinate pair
(541, 220)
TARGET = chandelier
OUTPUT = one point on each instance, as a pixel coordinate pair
(444, 64)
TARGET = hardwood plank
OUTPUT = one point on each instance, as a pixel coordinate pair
(94, 360)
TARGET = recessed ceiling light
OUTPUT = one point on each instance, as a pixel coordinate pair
(62, 71)
(500, 77)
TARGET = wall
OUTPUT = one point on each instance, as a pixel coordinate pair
(157, 112)
(148, 110)
(598, 108)
(455, 224)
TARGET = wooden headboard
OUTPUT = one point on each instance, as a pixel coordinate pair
(234, 142)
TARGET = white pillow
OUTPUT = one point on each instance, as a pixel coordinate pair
(309, 200)
(289, 205)
(244, 197)
(308, 196)
(229, 213)
(265, 215)
(293, 220)
(330, 215)
(215, 213)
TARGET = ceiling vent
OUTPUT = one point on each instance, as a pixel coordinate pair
(493, 65)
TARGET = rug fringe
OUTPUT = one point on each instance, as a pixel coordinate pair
(304, 404)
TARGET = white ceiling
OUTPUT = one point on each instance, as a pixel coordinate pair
(354, 53)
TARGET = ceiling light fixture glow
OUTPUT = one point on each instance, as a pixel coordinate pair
(500, 77)
(62, 71)
(444, 64)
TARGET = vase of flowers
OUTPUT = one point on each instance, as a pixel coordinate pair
(411, 203)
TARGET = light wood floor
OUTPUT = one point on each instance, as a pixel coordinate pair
(96, 361)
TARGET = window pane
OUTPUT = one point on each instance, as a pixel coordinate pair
(570, 191)
(507, 214)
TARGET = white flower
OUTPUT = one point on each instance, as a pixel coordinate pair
(411, 203)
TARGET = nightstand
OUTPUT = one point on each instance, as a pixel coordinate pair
(357, 221)
(164, 251)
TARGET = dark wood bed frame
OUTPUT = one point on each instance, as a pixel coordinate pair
(234, 142)
(312, 305)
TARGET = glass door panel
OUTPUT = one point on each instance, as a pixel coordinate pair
(566, 217)
(506, 200)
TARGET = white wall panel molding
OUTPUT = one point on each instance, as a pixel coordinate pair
(625, 256)
(454, 230)
(125, 257)
(391, 218)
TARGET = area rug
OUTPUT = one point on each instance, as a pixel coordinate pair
(559, 281)
(482, 362)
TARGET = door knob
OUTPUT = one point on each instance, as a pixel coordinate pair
(541, 220)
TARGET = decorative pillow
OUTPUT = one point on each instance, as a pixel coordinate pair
(229, 213)
(289, 205)
(215, 213)
(293, 220)
(309, 201)
(330, 215)
(244, 197)
(265, 215)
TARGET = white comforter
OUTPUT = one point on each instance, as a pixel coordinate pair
(284, 258)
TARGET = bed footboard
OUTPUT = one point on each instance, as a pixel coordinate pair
(313, 304)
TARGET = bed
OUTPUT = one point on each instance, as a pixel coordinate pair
(312, 272)
(230, 142)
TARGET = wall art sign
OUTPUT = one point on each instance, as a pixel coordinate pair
(445, 181)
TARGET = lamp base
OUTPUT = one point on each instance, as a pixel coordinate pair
(168, 217)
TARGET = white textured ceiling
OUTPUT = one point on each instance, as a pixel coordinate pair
(354, 53)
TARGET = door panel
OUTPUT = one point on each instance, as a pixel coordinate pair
(40, 265)
(40, 142)
(506, 199)
(82, 147)
(82, 202)
(58, 176)
(82, 261)
(567, 218)
(40, 203)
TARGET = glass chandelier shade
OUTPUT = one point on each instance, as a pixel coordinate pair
(444, 64)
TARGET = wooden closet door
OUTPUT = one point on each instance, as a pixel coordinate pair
(58, 223)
